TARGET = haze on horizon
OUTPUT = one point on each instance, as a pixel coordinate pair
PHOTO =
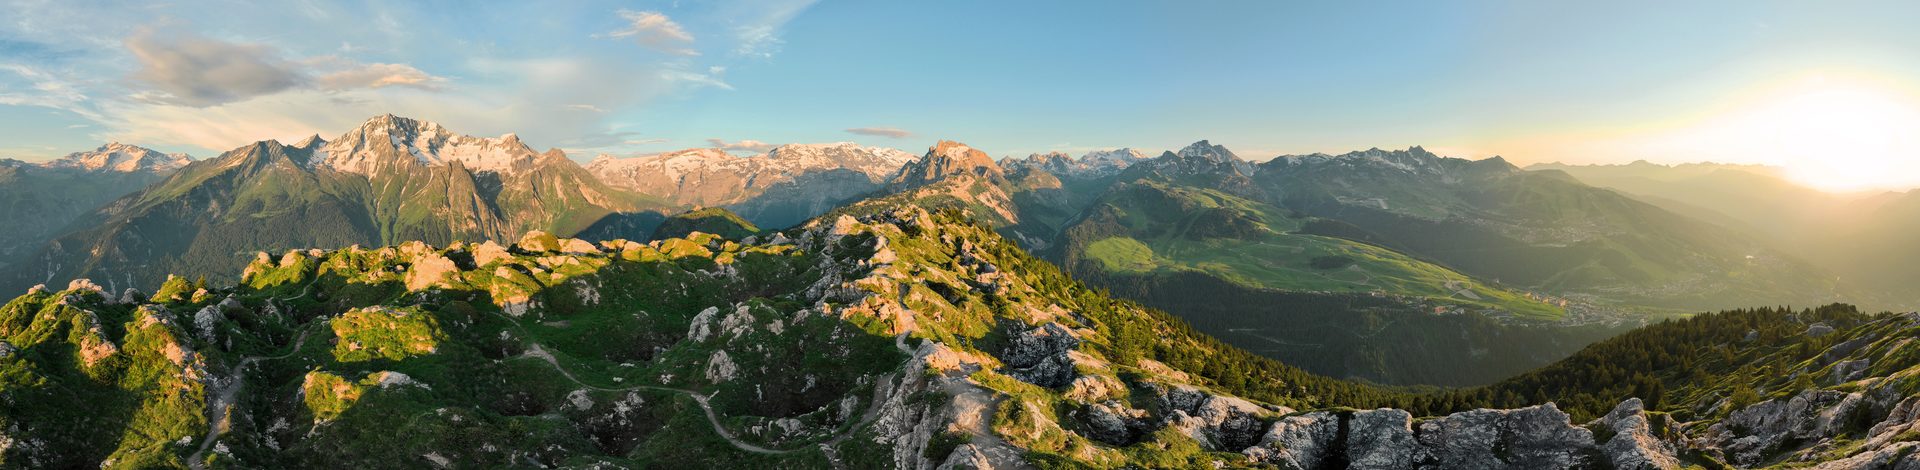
(1830, 91)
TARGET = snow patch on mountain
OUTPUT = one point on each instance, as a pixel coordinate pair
(123, 158)
(712, 176)
(384, 143)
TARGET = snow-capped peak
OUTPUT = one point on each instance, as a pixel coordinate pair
(310, 143)
(118, 157)
(874, 161)
(1208, 151)
(385, 142)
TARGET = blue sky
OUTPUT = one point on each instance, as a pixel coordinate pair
(1534, 81)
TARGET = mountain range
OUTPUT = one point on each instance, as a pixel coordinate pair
(41, 199)
(1859, 237)
(1409, 267)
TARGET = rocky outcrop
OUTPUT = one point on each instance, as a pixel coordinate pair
(429, 270)
(947, 158)
(1637, 442)
(1039, 356)
(1218, 422)
(1300, 441)
(1534, 437)
(1752, 435)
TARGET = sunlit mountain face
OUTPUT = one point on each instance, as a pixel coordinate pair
(959, 235)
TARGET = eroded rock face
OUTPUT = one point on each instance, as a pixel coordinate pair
(1635, 443)
(1381, 439)
(1114, 423)
(1749, 435)
(1039, 356)
(429, 270)
(1302, 441)
(1533, 437)
(485, 253)
(1217, 422)
(1525, 438)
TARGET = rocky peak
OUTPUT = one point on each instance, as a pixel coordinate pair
(122, 158)
(1120, 157)
(1202, 158)
(878, 162)
(1208, 151)
(948, 158)
(310, 143)
(388, 142)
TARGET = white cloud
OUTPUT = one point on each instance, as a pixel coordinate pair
(654, 30)
(881, 132)
(587, 108)
(715, 77)
(748, 145)
(47, 90)
(379, 76)
(759, 36)
(191, 70)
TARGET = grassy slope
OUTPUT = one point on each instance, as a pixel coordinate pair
(1270, 253)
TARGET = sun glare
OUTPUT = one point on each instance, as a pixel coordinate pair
(1836, 135)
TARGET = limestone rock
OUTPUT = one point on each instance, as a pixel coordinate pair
(577, 246)
(487, 252)
(1301, 441)
(539, 242)
(1218, 422)
(720, 367)
(1039, 356)
(429, 270)
(1381, 439)
(1538, 436)
(1634, 445)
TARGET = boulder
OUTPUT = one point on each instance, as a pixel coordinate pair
(487, 252)
(429, 270)
(1113, 423)
(539, 242)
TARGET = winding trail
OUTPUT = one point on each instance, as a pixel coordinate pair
(882, 391)
(219, 416)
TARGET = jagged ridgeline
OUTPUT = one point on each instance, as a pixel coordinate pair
(898, 339)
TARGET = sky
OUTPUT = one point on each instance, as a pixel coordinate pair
(1828, 89)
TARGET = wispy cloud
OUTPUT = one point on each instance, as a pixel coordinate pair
(888, 132)
(379, 76)
(654, 30)
(759, 36)
(191, 70)
(748, 145)
(181, 68)
(714, 77)
(45, 89)
(587, 108)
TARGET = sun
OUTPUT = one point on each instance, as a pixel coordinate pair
(1835, 135)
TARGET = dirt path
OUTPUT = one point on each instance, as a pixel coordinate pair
(219, 409)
